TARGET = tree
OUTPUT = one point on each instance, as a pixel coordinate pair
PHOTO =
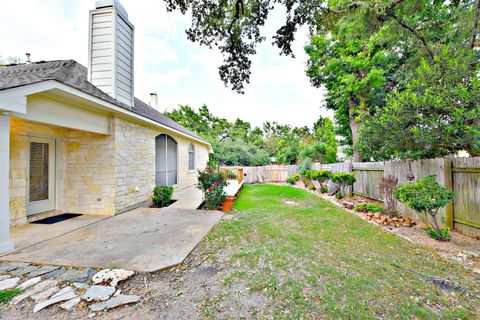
(426, 197)
(435, 115)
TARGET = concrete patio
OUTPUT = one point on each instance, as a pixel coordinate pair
(144, 239)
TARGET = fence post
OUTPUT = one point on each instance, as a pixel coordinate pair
(448, 176)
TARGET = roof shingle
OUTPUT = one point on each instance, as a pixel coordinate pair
(73, 74)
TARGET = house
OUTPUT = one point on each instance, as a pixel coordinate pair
(76, 140)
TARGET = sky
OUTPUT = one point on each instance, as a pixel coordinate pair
(181, 72)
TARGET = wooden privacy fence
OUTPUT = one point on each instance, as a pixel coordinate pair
(461, 175)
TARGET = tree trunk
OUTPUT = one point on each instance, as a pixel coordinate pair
(355, 127)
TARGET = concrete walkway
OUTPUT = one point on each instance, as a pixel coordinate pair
(144, 239)
(189, 198)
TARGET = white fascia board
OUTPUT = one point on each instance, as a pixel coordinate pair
(17, 94)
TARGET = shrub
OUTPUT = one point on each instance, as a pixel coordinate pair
(426, 197)
(296, 176)
(387, 186)
(290, 180)
(305, 165)
(368, 207)
(162, 196)
(343, 180)
(324, 189)
(212, 184)
(322, 176)
(444, 234)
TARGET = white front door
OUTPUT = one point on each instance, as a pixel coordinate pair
(41, 175)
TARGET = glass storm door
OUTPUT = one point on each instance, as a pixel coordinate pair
(166, 161)
(41, 175)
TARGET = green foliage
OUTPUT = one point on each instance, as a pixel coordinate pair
(239, 144)
(368, 207)
(162, 196)
(7, 295)
(212, 184)
(324, 189)
(426, 197)
(291, 180)
(305, 166)
(435, 115)
(344, 180)
(444, 234)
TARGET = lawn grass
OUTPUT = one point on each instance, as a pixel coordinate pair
(315, 260)
(7, 295)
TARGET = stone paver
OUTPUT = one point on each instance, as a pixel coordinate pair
(9, 266)
(36, 289)
(44, 295)
(115, 302)
(5, 276)
(23, 271)
(42, 270)
(70, 303)
(9, 283)
(98, 293)
(29, 283)
(54, 273)
(65, 294)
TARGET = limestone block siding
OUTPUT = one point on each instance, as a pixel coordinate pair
(95, 173)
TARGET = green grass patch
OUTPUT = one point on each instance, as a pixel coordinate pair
(7, 295)
(315, 260)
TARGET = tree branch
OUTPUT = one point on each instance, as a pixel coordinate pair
(414, 32)
(475, 24)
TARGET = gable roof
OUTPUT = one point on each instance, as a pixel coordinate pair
(73, 74)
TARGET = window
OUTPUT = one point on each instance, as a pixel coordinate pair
(166, 161)
(191, 157)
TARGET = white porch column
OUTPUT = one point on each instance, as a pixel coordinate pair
(5, 242)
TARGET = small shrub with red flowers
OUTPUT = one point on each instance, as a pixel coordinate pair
(212, 184)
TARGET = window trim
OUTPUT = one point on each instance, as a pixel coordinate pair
(191, 153)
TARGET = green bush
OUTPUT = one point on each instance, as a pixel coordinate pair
(162, 196)
(426, 197)
(368, 207)
(444, 234)
(343, 180)
(324, 189)
(296, 176)
(290, 180)
(212, 184)
(304, 166)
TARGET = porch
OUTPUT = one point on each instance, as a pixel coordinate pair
(144, 239)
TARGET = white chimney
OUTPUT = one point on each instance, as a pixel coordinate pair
(154, 100)
(110, 50)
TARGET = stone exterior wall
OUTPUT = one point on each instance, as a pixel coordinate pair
(97, 174)
(84, 176)
(135, 162)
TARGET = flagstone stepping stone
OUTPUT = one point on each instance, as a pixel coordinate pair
(70, 303)
(83, 276)
(29, 283)
(44, 295)
(98, 293)
(9, 283)
(9, 266)
(42, 270)
(65, 294)
(111, 276)
(23, 271)
(5, 276)
(69, 275)
(42, 286)
(54, 273)
(81, 285)
(114, 302)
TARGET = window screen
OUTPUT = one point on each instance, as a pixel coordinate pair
(191, 157)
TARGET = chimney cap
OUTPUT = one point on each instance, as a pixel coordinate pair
(111, 3)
